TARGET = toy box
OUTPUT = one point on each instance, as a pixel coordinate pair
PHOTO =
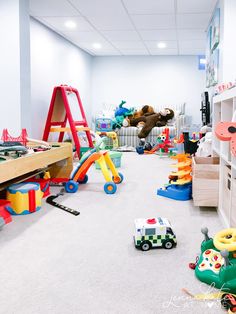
(115, 157)
(103, 124)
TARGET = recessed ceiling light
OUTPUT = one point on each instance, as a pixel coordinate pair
(70, 24)
(161, 45)
(97, 46)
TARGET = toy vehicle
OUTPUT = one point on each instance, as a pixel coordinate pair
(154, 232)
(217, 262)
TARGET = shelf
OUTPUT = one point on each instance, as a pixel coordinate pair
(225, 158)
(228, 94)
(224, 106)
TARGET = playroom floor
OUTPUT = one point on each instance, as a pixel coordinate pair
(55, 263)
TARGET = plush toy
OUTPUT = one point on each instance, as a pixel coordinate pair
(120, 114)
(145, 111)
(151, 120)
(205, 143)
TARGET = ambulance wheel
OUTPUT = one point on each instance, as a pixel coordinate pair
(71, 186)
(118, 180)
(168, 244)
(85, 180)
(110, 188)
(146, 246)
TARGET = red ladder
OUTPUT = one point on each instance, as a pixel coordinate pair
(59, 113)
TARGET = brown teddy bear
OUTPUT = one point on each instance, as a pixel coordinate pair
(151, 120)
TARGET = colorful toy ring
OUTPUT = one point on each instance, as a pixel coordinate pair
(226, 240)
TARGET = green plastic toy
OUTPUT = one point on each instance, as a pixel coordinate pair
(217, 263)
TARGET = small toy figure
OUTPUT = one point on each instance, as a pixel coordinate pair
(154, 232)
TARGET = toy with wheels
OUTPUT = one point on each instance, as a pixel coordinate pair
(217, 262)
(154, 232)
(79, 175)
(180, 181)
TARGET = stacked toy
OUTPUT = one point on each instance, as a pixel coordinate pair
(180, 181)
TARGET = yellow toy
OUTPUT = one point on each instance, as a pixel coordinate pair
(183, 174)
(25, 198)
(112, 136)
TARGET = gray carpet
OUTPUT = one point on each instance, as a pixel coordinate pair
(54, 262)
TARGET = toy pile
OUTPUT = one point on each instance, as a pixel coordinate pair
(163, 145)
(145, 119)
(180, 181)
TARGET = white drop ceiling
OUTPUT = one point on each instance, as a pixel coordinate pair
(129, 27)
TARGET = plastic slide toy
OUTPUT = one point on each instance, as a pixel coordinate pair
(180, 187)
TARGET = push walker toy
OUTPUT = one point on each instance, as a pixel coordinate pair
(217, 262)
(154, 232)
(79, 175)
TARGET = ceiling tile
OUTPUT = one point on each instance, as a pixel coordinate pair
(160, 34)
(52, 8)
(195, 6)
(89, 36)
(58, 23)
(106, 53)
(134, 52)
(163, 52)
(200, 21)
(150, 6)
(169, 45)
(89, 46)
(195, 44)
(128, 44)
(185, 34)
(94, 8)
(191, 51)
(143, 22)
(109, 22)
(121, 35)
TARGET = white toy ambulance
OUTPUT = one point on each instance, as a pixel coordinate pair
(154, 232)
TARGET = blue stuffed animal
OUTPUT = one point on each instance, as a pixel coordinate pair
(120, 114)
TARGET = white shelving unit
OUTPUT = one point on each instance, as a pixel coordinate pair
(224, 106)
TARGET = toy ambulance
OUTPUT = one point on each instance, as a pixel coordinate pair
(154, 232)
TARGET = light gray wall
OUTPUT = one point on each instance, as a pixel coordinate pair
(154, 80)
(25, 80)
(14, 64)
(55, 61)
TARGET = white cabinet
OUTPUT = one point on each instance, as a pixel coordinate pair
(224, 106)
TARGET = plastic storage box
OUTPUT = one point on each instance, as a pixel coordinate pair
(104, 124)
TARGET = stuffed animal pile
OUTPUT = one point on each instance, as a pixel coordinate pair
(150, 119)
(145, 119)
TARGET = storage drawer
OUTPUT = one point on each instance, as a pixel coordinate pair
(205, 172)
